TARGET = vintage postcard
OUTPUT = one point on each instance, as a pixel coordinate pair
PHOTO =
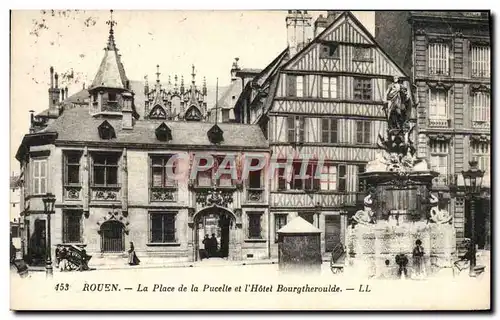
(250, 160)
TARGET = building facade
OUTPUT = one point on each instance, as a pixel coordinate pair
(321, 98)
(106, 154)
(449, 55)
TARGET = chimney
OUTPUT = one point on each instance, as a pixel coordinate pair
(331, 16)
(51, 77)
(66, 93)
(299, 30)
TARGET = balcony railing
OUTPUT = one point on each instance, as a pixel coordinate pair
(439, 71)
(439, 123)
(480, 73)
(480, 124)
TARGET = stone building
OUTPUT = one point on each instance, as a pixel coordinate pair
(321, 98)
(448, 53)
(104, 153)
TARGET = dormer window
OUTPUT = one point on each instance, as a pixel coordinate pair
(163, 132)
(106, 131)
(215, 134)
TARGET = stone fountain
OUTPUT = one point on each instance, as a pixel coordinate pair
(399, 208)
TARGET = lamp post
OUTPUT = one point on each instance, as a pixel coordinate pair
(48, 203)
(473, 179)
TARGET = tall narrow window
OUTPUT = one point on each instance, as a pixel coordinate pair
(224, 179)
(311, 183)
(255, 177)
(254, 225)
(439, 58)
(481, 152)
(480, 60)
(39, 176)
(105, 169)
(296, 128)
(438, 105)
(439, 159)
(162, 227)
(162, 172)
(204, 178)
(291, 85)
(72, 168)
(361, 182)
(282, 176)
(329, 87)
(362, 88)
(72, 223)
(329, 130)
(297, 181)
(342, 178)
(280, 220)
(363, 132)
(300, 86)
(329, 177)
(481, 106)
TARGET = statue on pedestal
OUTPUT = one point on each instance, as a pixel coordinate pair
(398, 105)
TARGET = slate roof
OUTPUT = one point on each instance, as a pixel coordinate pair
(299, 225)
(77, 125)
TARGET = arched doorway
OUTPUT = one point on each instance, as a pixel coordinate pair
(216, 223)
(112, 237)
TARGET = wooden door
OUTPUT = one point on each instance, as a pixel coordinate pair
(332, 232)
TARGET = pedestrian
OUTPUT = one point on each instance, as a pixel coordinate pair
(13, 251)
(402, 261)
(418, 259)
(63, 259)
(213, 245)
(133, 260)
(206, 245)
(57, 254)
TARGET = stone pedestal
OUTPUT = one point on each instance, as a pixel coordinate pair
(370, 246)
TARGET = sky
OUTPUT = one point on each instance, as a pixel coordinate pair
(73, 42)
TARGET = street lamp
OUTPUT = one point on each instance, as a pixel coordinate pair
(473, 179)
(48, 203)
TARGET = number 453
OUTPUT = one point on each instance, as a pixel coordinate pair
(62, 287)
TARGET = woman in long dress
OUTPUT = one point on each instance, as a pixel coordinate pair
(133, 260)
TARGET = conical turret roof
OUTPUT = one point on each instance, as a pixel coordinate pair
(111, 73)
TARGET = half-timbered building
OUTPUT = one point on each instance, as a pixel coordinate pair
(321, 98)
